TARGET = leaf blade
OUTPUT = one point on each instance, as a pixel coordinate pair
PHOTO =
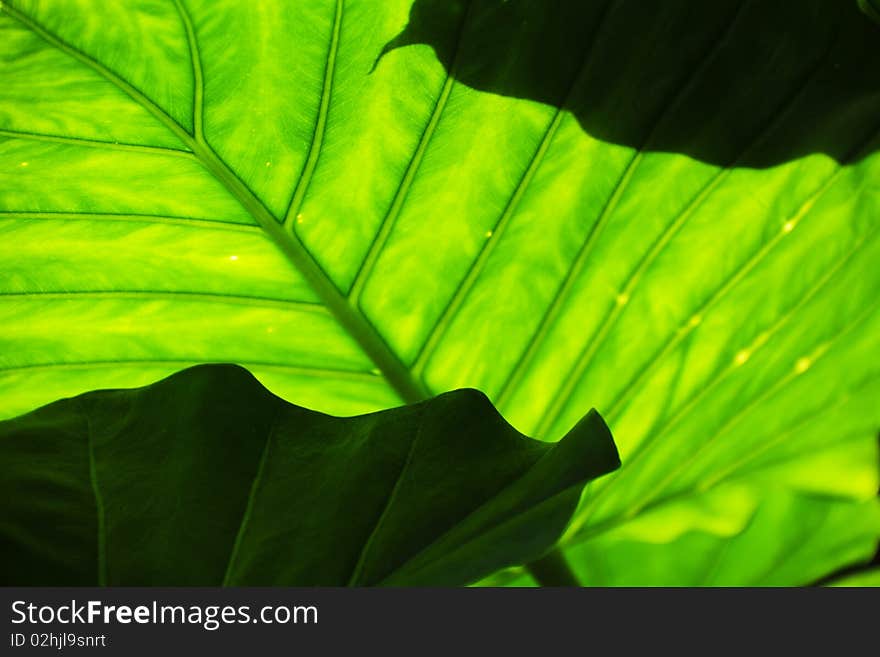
(820, 109)
(206, 477)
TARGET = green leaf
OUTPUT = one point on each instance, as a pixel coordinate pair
(867, 578)
(666, 211)
(871, 8)
(736, 521)
(740, 545)
(207, 478)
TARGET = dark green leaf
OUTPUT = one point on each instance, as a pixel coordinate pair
(669, 210)
(208, 478)
(872, 8)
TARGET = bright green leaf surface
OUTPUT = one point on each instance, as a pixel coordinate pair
(689, 244)
(827, 535)
(207, 478)
(737, 544)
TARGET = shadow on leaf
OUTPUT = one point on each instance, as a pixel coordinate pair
(730, 82)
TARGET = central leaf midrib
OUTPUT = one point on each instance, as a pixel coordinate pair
(356, 325)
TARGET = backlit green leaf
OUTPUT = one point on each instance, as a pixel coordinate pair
(666, 210)
(736, 542)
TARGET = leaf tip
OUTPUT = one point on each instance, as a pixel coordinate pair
(593, 432)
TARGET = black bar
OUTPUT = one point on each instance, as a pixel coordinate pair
(464, 621)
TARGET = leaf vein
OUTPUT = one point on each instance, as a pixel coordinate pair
(614, 311)
(320, 127)
(357, 572)
(317, 372)
(150, 219)
(729, 284)
(377, 246)
(84, 142)
(556, 306)
(463, 290)
(730, 422)
(198, 77)
(171, 295)
(101, 540)
(578, 532)
(361, 330)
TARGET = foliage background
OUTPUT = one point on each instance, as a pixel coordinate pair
(667, 211)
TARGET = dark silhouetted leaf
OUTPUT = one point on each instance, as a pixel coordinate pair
(872, 8)
(666, 209)
(208, 478)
